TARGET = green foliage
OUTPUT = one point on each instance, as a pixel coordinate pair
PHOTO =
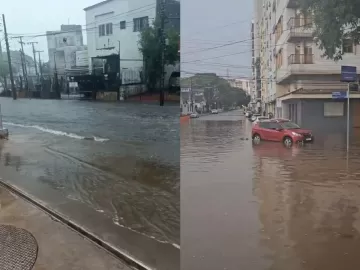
(334, 21)
(150, 47)
(217, 89)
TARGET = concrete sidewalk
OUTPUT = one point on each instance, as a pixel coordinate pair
(60, 248)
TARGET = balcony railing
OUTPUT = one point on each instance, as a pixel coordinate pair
(300, 28)
(301, 59)
(306, 22)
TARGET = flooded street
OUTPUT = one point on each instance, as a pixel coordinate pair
(108, 156)
(267, 207)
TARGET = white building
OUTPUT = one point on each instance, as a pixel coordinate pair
(242, 83)
(296, 82)
(62, 47)
(113, 29)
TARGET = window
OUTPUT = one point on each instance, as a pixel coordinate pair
(109, 29)
(102, 30)
(105, 29)
(308, 20)
(308, 54)
(334, 109)
(274, 125)
(140, 23)
(348, 46)
(123, 25)
(264, 125)
(279, 59)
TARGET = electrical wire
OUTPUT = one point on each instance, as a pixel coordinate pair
(85, 25)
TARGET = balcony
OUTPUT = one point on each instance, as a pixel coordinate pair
(298, 65)
(292, 4)
(299, 29)
(301, 59)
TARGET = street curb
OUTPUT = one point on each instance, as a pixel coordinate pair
(129, 260)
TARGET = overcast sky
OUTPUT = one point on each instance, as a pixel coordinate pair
(206, 24)
(29, 17)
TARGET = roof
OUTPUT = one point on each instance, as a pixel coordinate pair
(96, 5)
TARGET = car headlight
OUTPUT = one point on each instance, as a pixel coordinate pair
(296, 134)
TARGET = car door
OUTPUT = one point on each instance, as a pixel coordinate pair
(265, 131)
(275, 133)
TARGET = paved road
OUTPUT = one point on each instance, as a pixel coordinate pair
(108, 156)
(267, 207)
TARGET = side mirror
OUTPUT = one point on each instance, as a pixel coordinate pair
(278, 129)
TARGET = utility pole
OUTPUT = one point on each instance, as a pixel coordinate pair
(40, 67)
(34, 52)
(9, 60)
(2, 59)
(56, 83)
(41, 72)
(162, 51)
(23, 62)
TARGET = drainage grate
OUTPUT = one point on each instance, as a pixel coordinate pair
(18, 248)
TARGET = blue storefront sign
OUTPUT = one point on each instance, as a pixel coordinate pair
(339, 95)
(348, 74)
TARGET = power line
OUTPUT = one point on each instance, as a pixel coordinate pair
(86, 29)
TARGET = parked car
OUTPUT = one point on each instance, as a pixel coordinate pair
(194, 115)
(254, 117)
(280, 130)
(259, 118)
(214, 111)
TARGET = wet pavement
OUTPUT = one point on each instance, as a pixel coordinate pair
(265, 206)
(110, 157)
(59, 248)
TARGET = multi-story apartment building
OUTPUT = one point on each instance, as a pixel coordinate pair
(257, 40)
(297, 82)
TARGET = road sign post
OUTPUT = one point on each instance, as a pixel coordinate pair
(348, 75)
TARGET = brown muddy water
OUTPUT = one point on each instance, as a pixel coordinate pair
(108, 156)
(265, 206)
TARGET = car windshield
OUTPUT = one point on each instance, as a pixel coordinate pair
(289, 125)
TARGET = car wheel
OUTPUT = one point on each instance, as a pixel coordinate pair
(256, 139)
(288, 142)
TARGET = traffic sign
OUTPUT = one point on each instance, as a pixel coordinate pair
(339, 95)
(348, 74)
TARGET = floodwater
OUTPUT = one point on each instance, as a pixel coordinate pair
(265, 206)
(109, 156)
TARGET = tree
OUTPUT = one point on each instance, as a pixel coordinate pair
(150, 47)
(334, 20)
(217, 89)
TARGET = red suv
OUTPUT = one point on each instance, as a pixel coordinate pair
(280, 130)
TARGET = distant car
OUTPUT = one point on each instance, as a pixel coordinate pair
(280, 130)
(254, 117)
(194, 115)
(257, 119)
(247, 114)
(214, 111)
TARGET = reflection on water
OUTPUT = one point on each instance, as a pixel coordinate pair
(265, 206)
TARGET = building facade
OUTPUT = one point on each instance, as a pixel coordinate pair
(62, 47)
(296, 81)
(114, 30)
